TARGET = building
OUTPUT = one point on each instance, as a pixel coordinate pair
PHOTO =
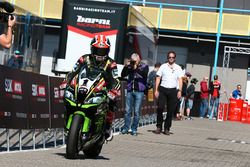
(197, 30)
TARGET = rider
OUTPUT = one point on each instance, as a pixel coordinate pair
(100, 47)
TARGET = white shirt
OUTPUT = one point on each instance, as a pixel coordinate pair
(169, 75)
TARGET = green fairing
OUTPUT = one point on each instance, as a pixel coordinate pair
(69, 121)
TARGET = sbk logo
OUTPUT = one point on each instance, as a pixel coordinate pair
(38, 90)
(58, 93)
(8, 85)
(81, 19)
(12, 86)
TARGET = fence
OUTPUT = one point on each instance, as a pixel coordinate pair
(32, 110)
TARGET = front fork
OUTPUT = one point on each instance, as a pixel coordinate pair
(86, 122)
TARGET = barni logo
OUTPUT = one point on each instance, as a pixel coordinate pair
(38, 90)
(81, 19)
(13, 86)
(93, 22)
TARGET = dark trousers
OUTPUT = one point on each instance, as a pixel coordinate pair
(166, 96)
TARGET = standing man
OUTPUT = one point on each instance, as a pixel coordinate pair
(169, 78)
(190, 98)
(204, 97)
(215, 97)
(137, 73)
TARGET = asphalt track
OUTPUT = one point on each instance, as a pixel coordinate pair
(196, 143)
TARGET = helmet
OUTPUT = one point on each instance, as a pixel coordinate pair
(215, 77)
(194, 80)
(100, 47)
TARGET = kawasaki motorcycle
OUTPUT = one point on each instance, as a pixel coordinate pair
(87, 105)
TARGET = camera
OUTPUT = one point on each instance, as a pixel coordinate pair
(8, 8)
(132, 62)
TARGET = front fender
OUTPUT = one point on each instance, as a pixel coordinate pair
(86, 121)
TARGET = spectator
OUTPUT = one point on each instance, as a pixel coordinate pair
(137, 73)
(169, 78)
(190, 97)
(204, 97)
(181, 102)
(237, 92)
(215, 97)
(6, 38)
(152, 76)
(16, 61)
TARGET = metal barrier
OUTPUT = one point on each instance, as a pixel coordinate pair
(21, 140)
(35, 139)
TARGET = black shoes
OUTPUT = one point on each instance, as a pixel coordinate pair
(157, 131)
(166, 132)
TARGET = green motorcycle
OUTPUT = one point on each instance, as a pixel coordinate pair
(87, 106)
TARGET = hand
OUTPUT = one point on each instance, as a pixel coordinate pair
(63, 85)
(179, 94)
(156, 94)
(135, 66)
(112, 94)
(11, 23)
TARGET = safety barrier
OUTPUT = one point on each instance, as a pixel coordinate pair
(237, 110)
(32, 110)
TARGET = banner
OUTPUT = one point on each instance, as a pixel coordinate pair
(81, 21)
(38, 94)
(56, 102)
(13, 98)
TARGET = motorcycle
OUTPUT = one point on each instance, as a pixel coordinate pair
(87, 104)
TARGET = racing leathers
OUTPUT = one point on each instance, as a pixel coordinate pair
(110, 71)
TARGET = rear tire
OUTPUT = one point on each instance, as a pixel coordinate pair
(94, 151)
(72, 148)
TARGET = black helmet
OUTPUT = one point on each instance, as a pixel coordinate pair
(215, 77)
(100, 46)
(194, 80)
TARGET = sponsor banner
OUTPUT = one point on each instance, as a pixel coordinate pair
(82, 20)
(56, 103)
(14, 100)
(38, 94)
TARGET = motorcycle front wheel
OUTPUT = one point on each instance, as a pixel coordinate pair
(73, 140)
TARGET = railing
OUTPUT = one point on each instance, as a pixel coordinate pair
(165, 17)
(39, 139)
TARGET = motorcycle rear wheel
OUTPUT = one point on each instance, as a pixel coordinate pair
(93, 151)
(72, 146)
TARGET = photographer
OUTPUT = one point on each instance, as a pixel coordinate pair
(6, 38)
(137, 73)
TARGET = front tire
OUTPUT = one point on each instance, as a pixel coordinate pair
(72, 147)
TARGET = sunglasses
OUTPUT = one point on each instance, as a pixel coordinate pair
(171, 57)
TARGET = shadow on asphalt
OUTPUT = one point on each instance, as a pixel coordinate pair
(152, 131)
(82, 156)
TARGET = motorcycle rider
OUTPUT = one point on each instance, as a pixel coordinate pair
(100, 47)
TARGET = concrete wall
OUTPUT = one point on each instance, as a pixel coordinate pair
(199, 58)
